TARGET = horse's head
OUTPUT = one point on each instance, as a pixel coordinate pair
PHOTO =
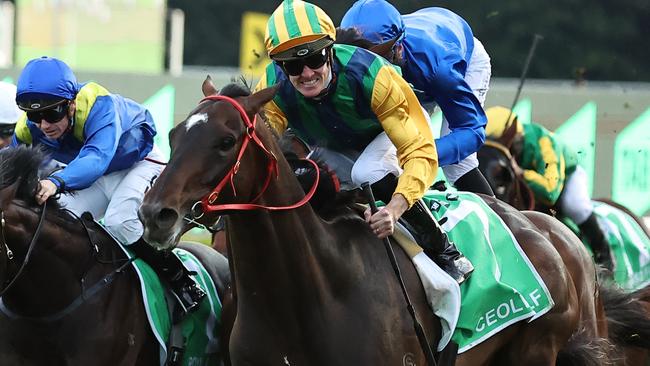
(214, 144)
(495, 162)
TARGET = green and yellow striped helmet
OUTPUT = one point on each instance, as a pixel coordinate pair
(499, 119)
(298, 23)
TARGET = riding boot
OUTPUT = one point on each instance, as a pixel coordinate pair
(435, 242)
(599, 244)
(474, 181)
(171, 271)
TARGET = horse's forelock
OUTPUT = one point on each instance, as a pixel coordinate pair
(235, 90)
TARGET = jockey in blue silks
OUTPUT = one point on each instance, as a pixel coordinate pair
(449, 68)
(106, 143)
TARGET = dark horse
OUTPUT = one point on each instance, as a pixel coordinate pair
(318, 289)
(627, 314)
(73, 298)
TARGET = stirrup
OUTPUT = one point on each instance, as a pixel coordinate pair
(459, 269)
(188, 297)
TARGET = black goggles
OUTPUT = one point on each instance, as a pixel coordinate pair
(51, 115)
(315, 61)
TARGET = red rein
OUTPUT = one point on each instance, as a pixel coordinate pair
(208, 202)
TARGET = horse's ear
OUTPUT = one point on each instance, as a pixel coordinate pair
(509, 134)
(7, 194)
(208, 87)
(254, 103)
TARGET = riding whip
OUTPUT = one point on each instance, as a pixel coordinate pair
(522, 78)
(419, 331)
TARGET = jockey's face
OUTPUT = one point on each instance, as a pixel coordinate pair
(55, 130)
(311, 82)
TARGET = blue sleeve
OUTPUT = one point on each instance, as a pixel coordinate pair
(14, 141)
(102, 131)
(462, 110)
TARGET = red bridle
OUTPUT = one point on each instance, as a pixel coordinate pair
(208, 201)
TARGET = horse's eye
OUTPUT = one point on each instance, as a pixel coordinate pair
(226, 143)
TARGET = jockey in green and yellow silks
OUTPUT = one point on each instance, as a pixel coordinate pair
(551, 170)
(546, 162)
(361, 116)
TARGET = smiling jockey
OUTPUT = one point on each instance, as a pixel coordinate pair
(551, 170)
(106, 141)
(355, 107)
(441, 58)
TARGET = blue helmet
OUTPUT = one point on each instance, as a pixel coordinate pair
(377, 20)
(45, 82)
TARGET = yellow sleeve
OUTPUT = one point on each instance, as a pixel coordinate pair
(23, 135)
(401, 116)
(274, 116)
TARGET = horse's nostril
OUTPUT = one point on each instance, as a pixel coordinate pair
(167, 218)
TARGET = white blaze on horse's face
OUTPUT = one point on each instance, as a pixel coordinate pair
(194, 119)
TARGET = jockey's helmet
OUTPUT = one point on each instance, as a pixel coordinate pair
(9, 112)
(298, 29)
(499, 119)
(377, 20)
(45, 83)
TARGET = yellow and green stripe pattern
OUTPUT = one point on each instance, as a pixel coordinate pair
(294, 23)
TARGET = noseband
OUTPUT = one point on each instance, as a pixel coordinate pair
(208, 202)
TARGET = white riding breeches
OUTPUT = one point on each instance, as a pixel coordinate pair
(376, 161)
(574, 202)
(477, 76)
(116, 197)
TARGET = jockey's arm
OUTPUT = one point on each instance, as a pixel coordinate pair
(462, 110)
(102, 133)
(401, 116)
(547, 178)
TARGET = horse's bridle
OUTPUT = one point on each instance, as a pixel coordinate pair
(518, 183)
(32, 244)
(208, 202)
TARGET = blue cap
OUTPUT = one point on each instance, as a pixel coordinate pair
(377, 20)
(45, 81)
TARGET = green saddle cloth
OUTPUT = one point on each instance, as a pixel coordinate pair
(505, 287)
(629, 244)
(200, 328)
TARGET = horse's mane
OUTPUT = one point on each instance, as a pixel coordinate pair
(20, 165)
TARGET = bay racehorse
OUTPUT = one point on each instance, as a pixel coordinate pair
(69, 295)
(317, 288)
(627, 313)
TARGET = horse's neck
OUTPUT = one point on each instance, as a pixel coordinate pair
(280, 246)
(60, 257)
